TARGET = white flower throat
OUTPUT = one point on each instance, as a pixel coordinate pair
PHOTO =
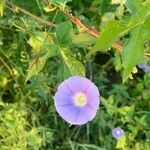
(80, 99)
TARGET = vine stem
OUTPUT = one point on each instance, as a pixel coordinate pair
(95, 33)
(17, 8)
(73, 19)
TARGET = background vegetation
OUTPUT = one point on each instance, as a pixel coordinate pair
(43, 42)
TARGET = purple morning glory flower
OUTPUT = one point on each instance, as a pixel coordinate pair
(77, 100)
(145, 65)
(117, 132)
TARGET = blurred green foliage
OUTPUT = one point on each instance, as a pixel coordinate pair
(35, 58)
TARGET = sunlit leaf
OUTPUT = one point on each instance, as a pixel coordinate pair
(60, 1)
(83, 39)
(118, 1)
(121, 143)
(127, 111)
(109, 34)
(48, 9)
(38, 63)
(70, 66)
(2, 7)
(38, 40)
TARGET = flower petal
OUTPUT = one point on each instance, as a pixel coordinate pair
(78, 84)
(62, 99)
(64, 88)
(63, 110)
(92, 92)
(68, 113)
(81, 118)
(93, 103)
(90, 112)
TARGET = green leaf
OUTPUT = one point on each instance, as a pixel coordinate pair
(82, 40)
(64, 32)
(38, 63)
(70, 66)
(118, 1)
(39, 39)
(2, 7)
(43, 48)
(117, 61)
(60, 1)
(48, 9)
(138, 8)
(110, 33)
(121, 143)
(133, 52)
(133, 5)
(127, 111)
(109, 105)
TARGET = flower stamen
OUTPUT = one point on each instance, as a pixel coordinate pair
(80, 99)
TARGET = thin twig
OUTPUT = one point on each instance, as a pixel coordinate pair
(12, 64)
(16, 8)
(11, 72)
(142, 112)
(90, 69)
(6, 66)
(77, 22)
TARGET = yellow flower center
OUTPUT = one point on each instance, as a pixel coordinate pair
(80, 99)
